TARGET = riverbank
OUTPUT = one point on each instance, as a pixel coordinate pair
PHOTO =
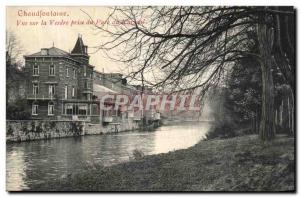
(30, 130)
(235, 164)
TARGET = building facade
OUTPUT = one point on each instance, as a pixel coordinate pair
(60, 84)
(64, 86)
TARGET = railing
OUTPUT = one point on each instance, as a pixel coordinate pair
(108, 119)
(41, 97)
(152, 115)
(136, 118)
(130, 114)
(112, 119)
(156, 116)
(79, 117)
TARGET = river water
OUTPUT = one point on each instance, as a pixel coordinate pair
(38, 161)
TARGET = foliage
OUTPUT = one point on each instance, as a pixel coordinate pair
(221, 131)
(138, 154)
(76, 128)
(17, 110)
(39, 128)
(10, 131)
(192, 47)
(243, 93)
(241, 103)
(52, 124)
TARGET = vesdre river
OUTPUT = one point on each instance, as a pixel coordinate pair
(34, 162)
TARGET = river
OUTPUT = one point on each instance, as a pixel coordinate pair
(34, 162)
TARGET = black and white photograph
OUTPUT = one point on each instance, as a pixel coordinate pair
(150, 98)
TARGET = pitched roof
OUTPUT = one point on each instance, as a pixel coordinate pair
(53, 51)
(102, 89)
(79, 47)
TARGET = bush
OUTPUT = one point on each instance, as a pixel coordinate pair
(76, 128)
(224, 130)
(138, 154)
(17, 110)
(10, 130)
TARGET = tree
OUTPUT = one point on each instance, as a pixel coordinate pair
(191, 47)
(15, 106)
(17, 110)
(13, 49)
(13, 60)
(243, 99)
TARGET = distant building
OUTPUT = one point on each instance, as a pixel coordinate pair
(113, 83)
(64, 86)
(60, 84)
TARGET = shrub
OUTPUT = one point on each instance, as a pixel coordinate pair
(39, 128)
(10, 130)
(17, 110)
(25, 129)
(225, 130)
(76, 128)
(52, 124)
(138, 154)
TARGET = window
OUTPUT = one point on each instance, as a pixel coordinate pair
(69, 109)
(84, 72)
(51, 70)
(51, 90)
(82, 110)
(44, 51)
(74, 73)
(88, 97)
(35, 70)
(87, 85)
(50, 108)
(34, 109)
(91, 75)
(35, 89)
(67, 71)
(73, 91)
(66, 91)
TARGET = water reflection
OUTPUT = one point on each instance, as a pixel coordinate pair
(15, 171)
(37, 161)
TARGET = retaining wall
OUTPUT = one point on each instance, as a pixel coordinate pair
(18, 131)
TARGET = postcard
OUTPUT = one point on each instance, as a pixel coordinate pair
(150, 98)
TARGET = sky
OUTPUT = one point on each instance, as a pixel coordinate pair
(34, 34)
(35, 30)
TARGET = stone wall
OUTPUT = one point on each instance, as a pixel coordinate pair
(18, 131)
(91, 129)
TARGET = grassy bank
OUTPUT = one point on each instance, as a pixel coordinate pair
(235, 164)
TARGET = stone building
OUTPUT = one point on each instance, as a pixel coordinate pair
(60, 84)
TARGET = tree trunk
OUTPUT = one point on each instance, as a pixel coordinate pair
(267, 125)
(293, 115)
(291, 112)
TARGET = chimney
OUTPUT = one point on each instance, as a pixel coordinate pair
(45, 51)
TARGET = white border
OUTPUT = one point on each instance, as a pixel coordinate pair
(5, 3)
